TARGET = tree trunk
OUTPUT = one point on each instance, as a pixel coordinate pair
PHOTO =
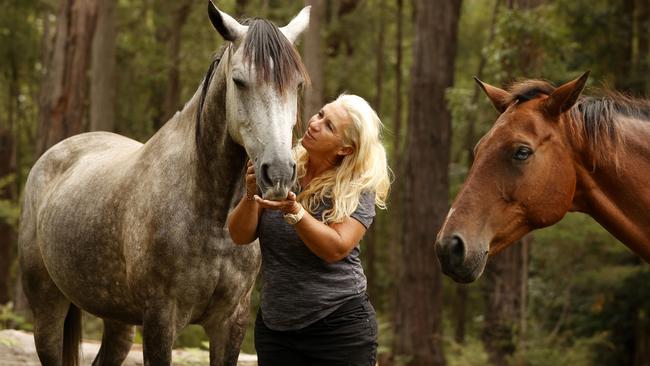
(102, 87)
(395, 205)
(398, 82)
(502, 287)
(460, 313)
(173, 93)
(313, 98)
(7, 233)
(418, 332)
(169, 18)
(505, 287)
(625, 57)
(370, 240)
(643, 54)
(240, 8)
(62, 99)
(470, 141)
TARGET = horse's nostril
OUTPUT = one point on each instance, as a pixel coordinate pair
(457, 247)
(264, 174)
(293, 171)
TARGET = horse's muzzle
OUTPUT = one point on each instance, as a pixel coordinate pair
(455, 262)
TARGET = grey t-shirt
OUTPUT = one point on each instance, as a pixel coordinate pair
(298, 287)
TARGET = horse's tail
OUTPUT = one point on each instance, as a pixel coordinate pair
(72, 336)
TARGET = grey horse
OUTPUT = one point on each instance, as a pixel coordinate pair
(134, 233)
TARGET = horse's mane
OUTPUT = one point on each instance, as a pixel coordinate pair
(593, 118)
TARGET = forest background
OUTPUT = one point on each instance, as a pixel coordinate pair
(570, 294)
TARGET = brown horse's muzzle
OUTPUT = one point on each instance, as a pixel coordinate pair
(456, 261)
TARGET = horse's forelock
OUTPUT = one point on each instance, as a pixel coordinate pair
(526, 90)
(264, 42)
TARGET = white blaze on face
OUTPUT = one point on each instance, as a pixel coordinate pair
(444, 225)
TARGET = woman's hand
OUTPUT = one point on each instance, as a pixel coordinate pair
(251, 181)
(290, 205)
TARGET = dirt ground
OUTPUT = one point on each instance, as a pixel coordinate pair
(17, 348)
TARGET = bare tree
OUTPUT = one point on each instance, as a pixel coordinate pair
(62, 98)
(469, 142)
(418, 331)
(170, 17)
(173, 93)
(370, 239)
(7, 233)
(102, 87)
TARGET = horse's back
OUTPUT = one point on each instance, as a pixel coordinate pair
(69, 152)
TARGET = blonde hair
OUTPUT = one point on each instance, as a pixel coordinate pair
(364, 170)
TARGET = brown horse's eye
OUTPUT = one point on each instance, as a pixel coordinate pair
(522, 153)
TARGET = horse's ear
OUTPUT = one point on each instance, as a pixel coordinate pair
(565, 96)
(227, 26)
(499, 97)
(297, 25)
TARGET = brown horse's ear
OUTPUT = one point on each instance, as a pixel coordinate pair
(499, 97)
(565, 96)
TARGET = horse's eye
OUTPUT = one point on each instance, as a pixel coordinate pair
(522, 153)
(239, 83)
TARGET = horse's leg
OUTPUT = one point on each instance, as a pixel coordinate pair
(49, 306)
(50, 309)
(226, 339)
(158, 333)
(116, 343)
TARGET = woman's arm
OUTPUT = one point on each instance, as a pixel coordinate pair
(242, 221)
(331, 242)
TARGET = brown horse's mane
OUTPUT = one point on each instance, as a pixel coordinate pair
(592, 118)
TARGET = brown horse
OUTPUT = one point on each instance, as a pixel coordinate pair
(550, 152)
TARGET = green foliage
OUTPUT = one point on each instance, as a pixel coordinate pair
(541, 351)
(9, 209)
(10, 320)
(470, 353)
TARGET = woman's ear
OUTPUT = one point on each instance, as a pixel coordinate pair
(345, 150)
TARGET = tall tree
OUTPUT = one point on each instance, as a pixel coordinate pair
(642, 59)
(240, 7)
(505, 285)
(102, 87)
(170, 17)
(469, 143)
(173, 94)
(505, 296)
(313, 56)
(62, 98)
(395, 211)
(370, 239)
(7, 233)
(418, 332)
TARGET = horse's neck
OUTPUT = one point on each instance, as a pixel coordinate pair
(617, 193)
(204, 152)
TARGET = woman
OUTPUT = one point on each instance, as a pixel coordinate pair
(314, 310)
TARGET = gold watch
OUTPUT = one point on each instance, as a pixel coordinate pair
(293, 219)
